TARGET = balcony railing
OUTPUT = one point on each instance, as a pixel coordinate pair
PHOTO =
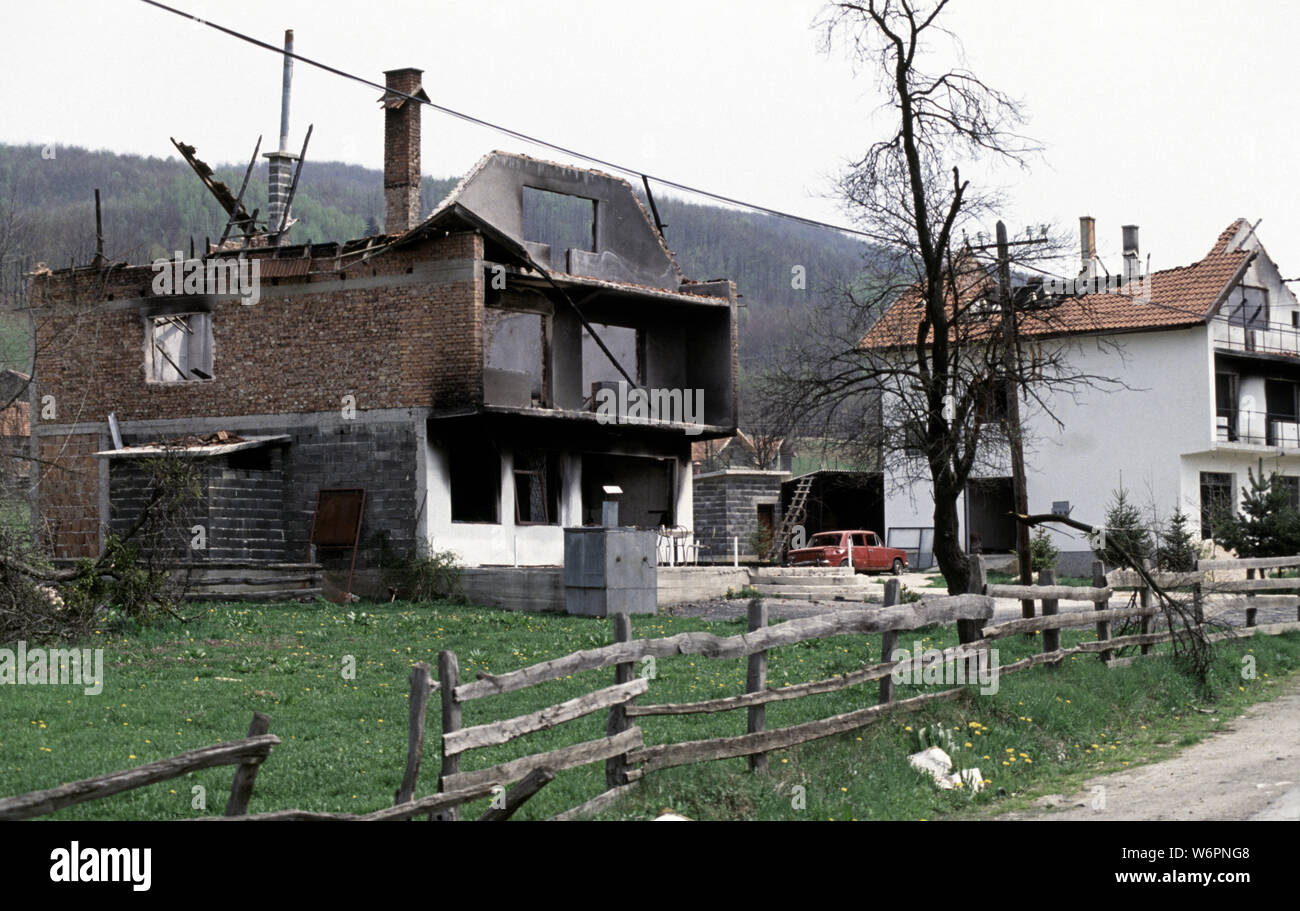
(1258, 428)
(1260, 337)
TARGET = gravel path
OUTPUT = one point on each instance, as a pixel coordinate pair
(1249, 772)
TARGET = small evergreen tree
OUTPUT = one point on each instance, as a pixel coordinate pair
(1042, 552)
(1267, 525)
(1176, 552)
(1128, 540)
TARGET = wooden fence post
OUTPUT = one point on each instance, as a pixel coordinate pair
(1103, 626)
(1051, 607)
(1250, 596)
(449, 678)
(756, 682)
(616, 766)
(889, 641)
(973, 630)
(1198, 604)
(1144, 601)
(241, 789)
(421, 683)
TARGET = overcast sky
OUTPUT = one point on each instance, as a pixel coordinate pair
(1175, 116)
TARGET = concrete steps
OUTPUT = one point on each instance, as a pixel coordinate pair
(815, 583)
(245, 580)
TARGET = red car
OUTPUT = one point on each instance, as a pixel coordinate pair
(831, 548)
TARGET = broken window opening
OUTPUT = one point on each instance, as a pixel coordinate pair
(515, 358)
(475, 482)
(624, 343)
(537, 488)
(1249, 309)
(561, 221)
(178, 348)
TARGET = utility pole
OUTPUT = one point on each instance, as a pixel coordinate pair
(1011, 362)
(1011, 339)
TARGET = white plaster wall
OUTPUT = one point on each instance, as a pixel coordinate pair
(1135, 434)
(488, 544)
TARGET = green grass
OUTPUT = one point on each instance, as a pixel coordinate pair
(177, 687)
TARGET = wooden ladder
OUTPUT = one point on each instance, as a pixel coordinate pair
(796, 514)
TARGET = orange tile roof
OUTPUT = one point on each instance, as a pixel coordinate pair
(1183, 296)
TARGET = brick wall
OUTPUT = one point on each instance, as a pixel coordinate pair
(412, 345)
(69, 479)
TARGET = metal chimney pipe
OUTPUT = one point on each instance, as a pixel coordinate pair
(279, 168)
(1088, 245)
(284, 92)
(1131, 267)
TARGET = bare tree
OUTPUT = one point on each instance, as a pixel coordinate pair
(937, 364)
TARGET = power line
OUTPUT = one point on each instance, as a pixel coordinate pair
(524, 137)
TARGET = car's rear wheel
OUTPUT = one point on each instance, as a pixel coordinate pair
(898, 567)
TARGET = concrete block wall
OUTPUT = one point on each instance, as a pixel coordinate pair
(726, 507)
(246, 512)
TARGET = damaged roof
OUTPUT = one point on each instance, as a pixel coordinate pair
(628, 248)
(1180, 297)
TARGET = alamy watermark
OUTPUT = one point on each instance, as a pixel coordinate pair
(1137, 288)
(179, 275)
(82, 667)
(651, 406)
(922, 666)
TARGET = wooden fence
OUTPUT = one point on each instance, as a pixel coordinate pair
(626, 756)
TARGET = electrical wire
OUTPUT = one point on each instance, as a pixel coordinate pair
(516, 134)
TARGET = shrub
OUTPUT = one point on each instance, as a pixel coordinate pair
(430, 576)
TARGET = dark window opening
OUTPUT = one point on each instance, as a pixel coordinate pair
(1248, 307)
(648, 484)
(256, 459)
(475, 483)
(1280, 398)
(1292, 488)
(1226, 405)
(990, 506)
(1216, 496)
(537, 488)
(992, 405)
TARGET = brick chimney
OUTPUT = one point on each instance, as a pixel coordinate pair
(402, 149)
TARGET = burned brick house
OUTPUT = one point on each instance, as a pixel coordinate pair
(451, 367)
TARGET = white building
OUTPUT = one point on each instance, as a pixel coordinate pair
(1210, 366)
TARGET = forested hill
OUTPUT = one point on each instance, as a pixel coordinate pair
(153, 206)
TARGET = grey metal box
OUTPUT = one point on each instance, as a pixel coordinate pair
(609, 571)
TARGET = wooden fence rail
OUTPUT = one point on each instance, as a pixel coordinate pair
(248, 752)
(627, 758)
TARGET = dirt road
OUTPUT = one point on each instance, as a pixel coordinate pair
(1250, 771)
